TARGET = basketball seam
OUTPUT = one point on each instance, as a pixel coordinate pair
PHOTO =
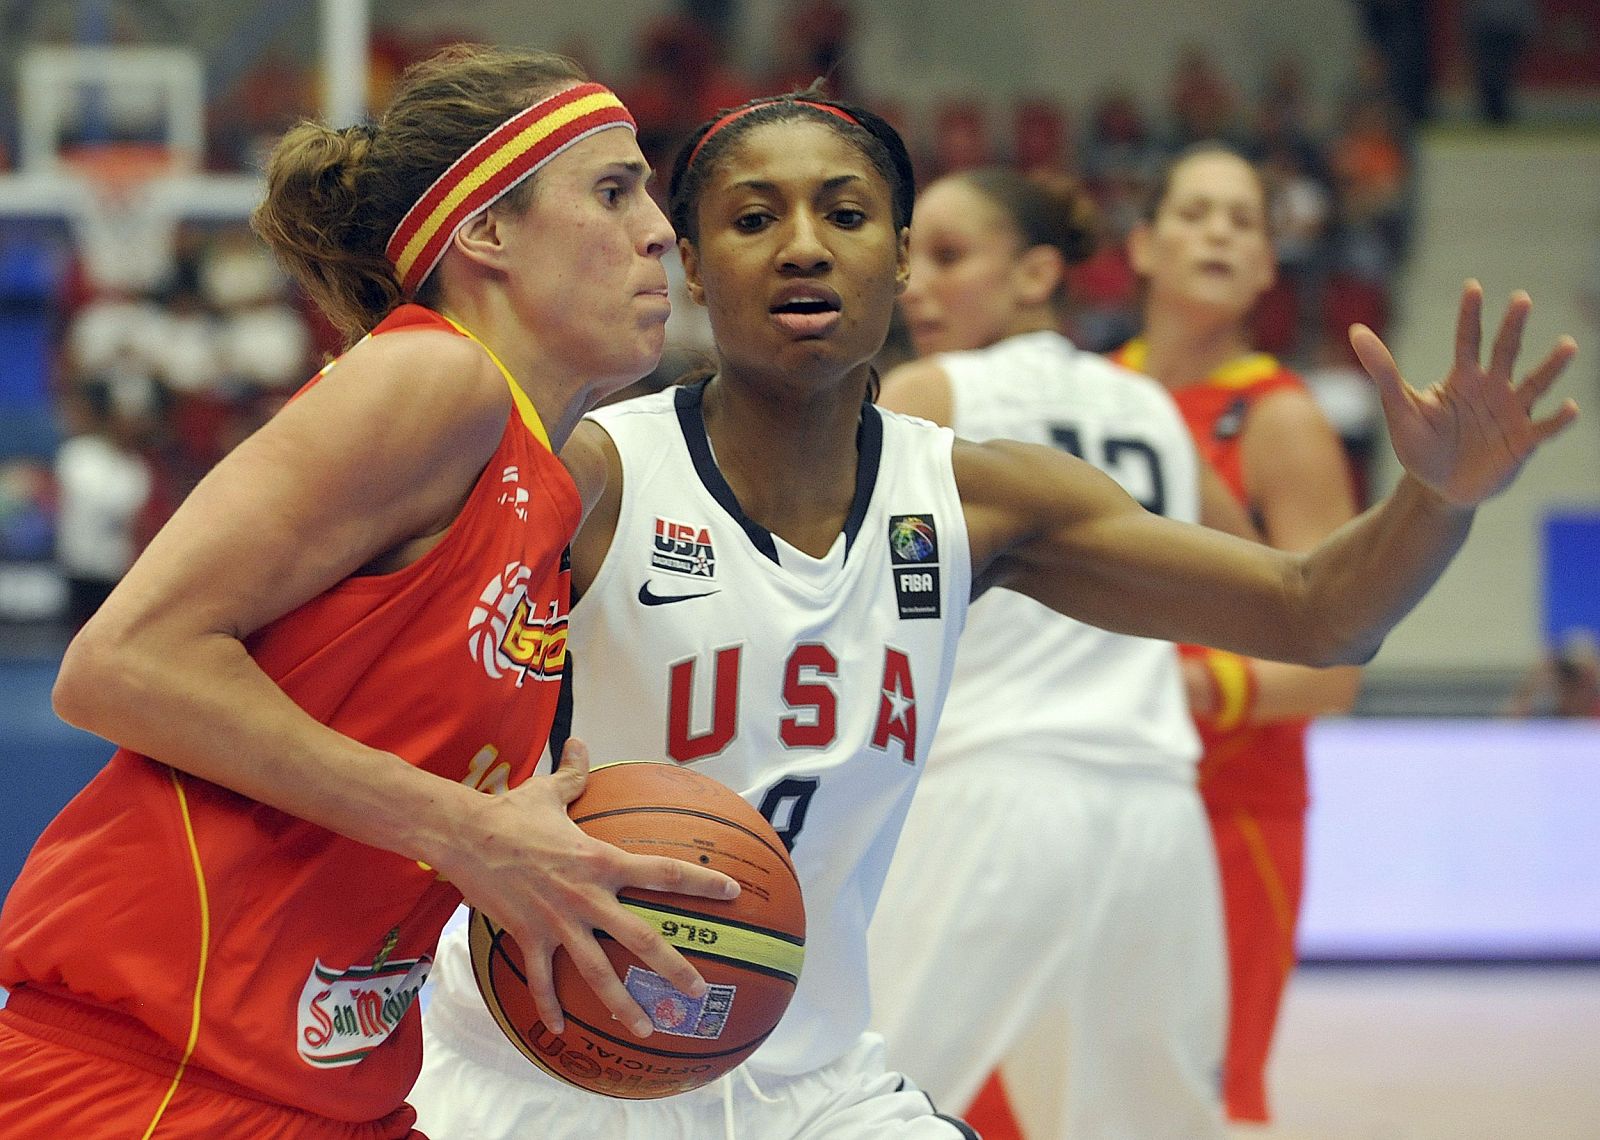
(735, 824)
(744, 964)
(667, 908)
(634, 1043)
(497, 935)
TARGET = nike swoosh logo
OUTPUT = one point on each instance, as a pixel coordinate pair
(652, 599)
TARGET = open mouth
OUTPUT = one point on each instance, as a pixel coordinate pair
(807, 305)
(807, 313)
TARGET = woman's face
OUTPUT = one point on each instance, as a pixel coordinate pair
(1207, 247)
(798, 260)
(585, 258)
(965, 262)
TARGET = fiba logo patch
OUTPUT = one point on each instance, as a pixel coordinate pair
(508, 636)
(914, 562)
(912, 538)
(683, 548)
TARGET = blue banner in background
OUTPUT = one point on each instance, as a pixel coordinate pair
(1571, 574)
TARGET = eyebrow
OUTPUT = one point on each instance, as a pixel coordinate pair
(637, 167)
(761, 185)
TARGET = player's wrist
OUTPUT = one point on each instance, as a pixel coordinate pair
(1235, 688)
(1431, 498)
(447, 826)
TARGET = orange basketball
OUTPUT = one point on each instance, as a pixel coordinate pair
(748, 950)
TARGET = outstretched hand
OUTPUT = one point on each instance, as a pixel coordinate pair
(553, 887)
(1467, 436)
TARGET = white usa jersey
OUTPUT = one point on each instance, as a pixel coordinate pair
(810, 686)
(1027, 678)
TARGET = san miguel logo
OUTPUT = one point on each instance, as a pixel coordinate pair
(510, 633)
(346, 1014)
(683, 548)
(914, 561)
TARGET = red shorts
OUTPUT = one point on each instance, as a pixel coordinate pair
(1261, 859)
(54, 1082)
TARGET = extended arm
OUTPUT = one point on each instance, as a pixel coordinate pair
(1058, 531)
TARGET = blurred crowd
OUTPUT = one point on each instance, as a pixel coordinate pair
(152, 387)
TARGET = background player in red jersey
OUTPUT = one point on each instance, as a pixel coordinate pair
(1205, 254)
(353, 629)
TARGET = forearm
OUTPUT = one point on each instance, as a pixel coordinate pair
(211, 712)
(1357, 584)
(1088, 551)
(1295, 692)
(1227, 690)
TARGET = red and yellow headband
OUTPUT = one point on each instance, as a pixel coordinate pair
(493, 166)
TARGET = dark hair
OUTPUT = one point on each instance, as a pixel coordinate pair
(869, 133)
(334, 196)
(1163, 182)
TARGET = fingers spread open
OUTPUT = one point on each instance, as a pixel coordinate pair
(1378, 361)
(1508, 341)
(1538, 382)
(1557, 422)
(1469, 325)
(651, 946)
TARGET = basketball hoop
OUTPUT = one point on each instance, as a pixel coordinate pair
(125, 238)
(121, 199)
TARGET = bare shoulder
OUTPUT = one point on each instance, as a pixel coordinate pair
(1012, 493)
(1295, 470)
(435, 372)
(1288, 438)
(592, 459)
(919, 388)
(1288, 410)
(410, 416)
(595, 464)
(1004, 473)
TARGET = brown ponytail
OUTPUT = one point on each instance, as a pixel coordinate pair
(334, 196)
(1045, 208)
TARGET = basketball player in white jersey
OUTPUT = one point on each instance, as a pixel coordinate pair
(1067, 751)
(776, 572)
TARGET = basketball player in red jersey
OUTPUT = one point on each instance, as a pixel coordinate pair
(1206, 256)
(352, 630)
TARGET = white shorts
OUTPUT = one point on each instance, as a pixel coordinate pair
(476, 1086)
(1062, 922)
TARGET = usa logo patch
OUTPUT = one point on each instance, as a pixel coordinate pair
(683, 548)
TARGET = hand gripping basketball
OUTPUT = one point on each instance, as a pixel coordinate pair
(554, 887)
(749, 949)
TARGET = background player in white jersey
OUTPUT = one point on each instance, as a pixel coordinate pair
(859, 537)
(1067, 751)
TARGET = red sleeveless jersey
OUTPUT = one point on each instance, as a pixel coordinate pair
(269, 952)
(1256, 767)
